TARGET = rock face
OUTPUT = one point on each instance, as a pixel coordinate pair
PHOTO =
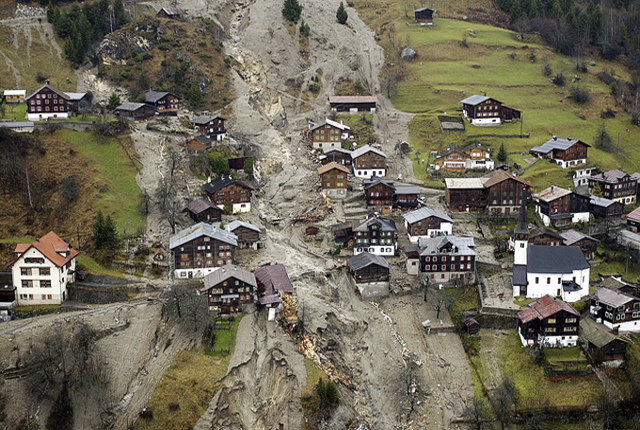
(408, 54)
(117, 47)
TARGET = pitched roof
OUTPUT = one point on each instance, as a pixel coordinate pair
(129, 106)
(612, 298)
(385, 224)
(433, 245)
(616, 283)
(154, 96)
(198, 206)
(15, 124)
(353, 99)
(609, 176)
(331, 123)
(364, 149)
(424, 213)
(498, 176)
(536, 231)
(335, 149)
(330, 166)
(199, 230)
(407, 189)
(365, 259)
(50, 246)
(476, 100)
(235, 224)
(475, 146)
(76, 96)
(571, 237)
(422, 9)
(50, 87)
(15, 92)
(173, 11)
(555, 142)
(545, 307)
(600, 201)
(596, 333)
(205, 119)
(370, 182)
(464, 183)
(555, 259)
(634, 215)
(273, 279)
(552, 193)
(221, 182)
(228, 271)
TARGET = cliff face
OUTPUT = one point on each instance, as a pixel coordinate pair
(117, 48)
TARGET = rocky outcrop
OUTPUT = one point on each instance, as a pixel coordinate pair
(408, 54)
(116, 48)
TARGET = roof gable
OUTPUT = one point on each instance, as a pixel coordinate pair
(365, 149)
(544, 308)
(332, 166)
(228, 271)
(424, 213)
(51, 246)
(365, 259)
(199, 230)
(51, 88)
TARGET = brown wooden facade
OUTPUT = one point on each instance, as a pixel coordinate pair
(505, 196)
(333, 177)
(561, 323)
(379, 196)
(424, 15)
(421, 228)
(341, 157)
(247, 237)
(230, 295)
(370, 160)
(370, 274)
(203, 211)
(203, 252)
(166, 105)
(48, 100)
(214, 126)
(227, 191)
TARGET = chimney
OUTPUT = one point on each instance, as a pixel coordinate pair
(209, 179)
(555, 137)
(568, 137)
(47, 81)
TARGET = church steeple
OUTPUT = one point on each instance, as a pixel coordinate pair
(521, 234)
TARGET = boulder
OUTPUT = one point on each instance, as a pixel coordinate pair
(408, 54)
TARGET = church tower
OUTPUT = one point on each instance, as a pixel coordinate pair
(521, 235)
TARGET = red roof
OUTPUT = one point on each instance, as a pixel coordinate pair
(330, 166)
(634, 216)
(50, 246)
(545, 307)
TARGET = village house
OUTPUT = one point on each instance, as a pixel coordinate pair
(581, 177)
(633, 220)
(79, 103)
(616, 185)
(369, 161)
(604, 208)
(446, 259)
(134, 112)
(337, 155)
(615, 309)
(565, 152)
(224, 190)
(203, 211)
(558, 207)
(353, 104)
(379, 194)
(602, 343)
(538, 236)
(273, 283)
(171, 13)
(496, 192)
(41, 270)
(198, 145)
(548, 323)
(406, 196)
(163, 103)
(328, 134)
(587, 244)
(230, 289)
(561, 271)
(211, 126)
(14, 96)
(412, 252)
(333, 180)
(201, 249)
(247, 233)
(343, 234)
(8, 299)
(426, 222)
(471, 157)
(376, 235)
(483, 110)
(424, 16)
(47, 102)
(616, 283)
(370, 274)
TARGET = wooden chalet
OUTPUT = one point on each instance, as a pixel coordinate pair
(337, 155)
(273, 282)
(587, 244)
(616, 185)
(203, 211)
(47, 102)
(376, 235)
(497, 192)
(212, 126)
(471, 157)
(343, 234)
(134, 112)
(447, 259)
(14, 96)
(544, 237)
(79, 102)
(558, 207)
(406, 196)
(465, 194)
(379, 194)
(472, 326)
(426, 222)
(615, 310)
(424, 16)
(230, 289)
(328, 134)
(353, 104)
(604, 208)
(162, 102)
(171, 13)
(370, 274)
(333, 180)
(368, 162)
(483, 110)
(248, 234)
(198, 145)
(224, 190)
(548, 322)
(633, 220)
(201, 249)
(564, 152)
(602, 343)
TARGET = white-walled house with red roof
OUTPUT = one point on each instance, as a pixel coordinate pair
(42, 270)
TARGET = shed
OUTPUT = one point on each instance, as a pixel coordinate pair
(424, 15)
(312, 230)
(473, 326)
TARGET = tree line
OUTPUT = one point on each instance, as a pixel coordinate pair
(83, 26)
(571, 26)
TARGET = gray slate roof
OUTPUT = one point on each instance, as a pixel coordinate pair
(327, 121)
(612, 298)
(560, 143)
(364, 149)
(600, 201)
(129, 106)
(596, 333)
(15, 124)
(226, 272)
(204, 119)
(407, 189)
(476, 100)
(571, 236)
(555, 259)
(237, 223)
(365, 259)
(199, 230)
(385, 224)
(154, 96)
(424, 213)
(433, 245)
(198, 206)
(76, 96)
(336, 149)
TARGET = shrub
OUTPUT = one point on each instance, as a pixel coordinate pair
(314, 87)
(603, 142)
(559, 79)
(69, 188)
(114, 101)
(341, 14)
(581, 66)
(305, 30)
(579, 94)
(547, 70)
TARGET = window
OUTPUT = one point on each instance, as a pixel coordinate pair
(537, 280)
(45, 284)
(571, 329)
(25, 271)
(570, 320)
(427, 267)
(27, 284)
(548, 280)
(550, 329)
(551, 320)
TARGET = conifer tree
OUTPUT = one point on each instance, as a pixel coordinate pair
(341, 14)
(291, 10)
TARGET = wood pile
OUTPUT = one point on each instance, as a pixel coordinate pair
(316, 213)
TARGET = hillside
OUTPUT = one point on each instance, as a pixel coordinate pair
(453, 60)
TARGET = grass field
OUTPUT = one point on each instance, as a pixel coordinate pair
(89, 265)
(114, 178)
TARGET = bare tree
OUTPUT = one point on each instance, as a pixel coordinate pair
(503, 398)
(188, 309)
(475, 413)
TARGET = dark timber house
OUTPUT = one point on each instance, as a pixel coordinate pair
(424, 15)
(370, 274)
(134, 112)
(248, 234)
(230, 289)
(203, 211)
(483, 110)
(210, 126)
(353, 104)
(564, 152)
(163, 103)
(171, 13)
(273, 283)
(224, 190)
(548, 322)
